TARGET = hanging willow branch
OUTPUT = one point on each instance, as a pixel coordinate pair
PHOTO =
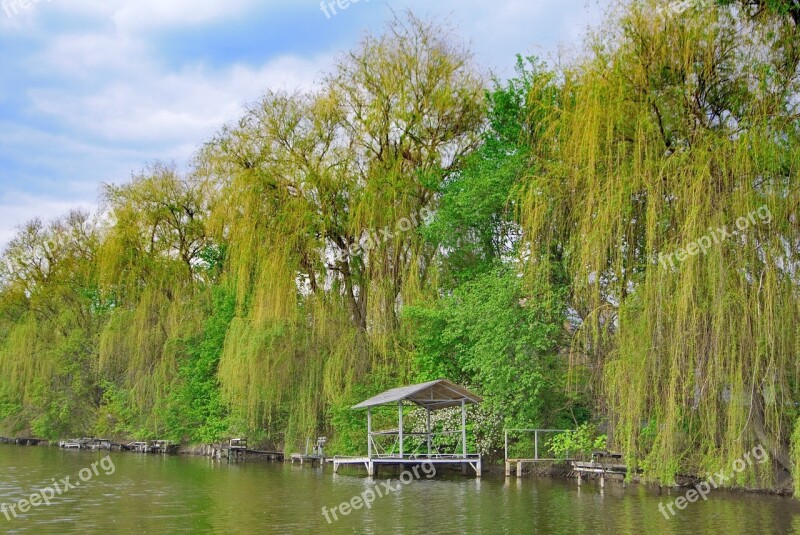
(678, 126)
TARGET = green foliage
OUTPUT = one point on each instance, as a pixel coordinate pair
(195, 410)
(796, 456)
(488, 334)
(8, 407)
(578, 444)
(115, 414)
(486, 329)
(475, 223)
(350, 426)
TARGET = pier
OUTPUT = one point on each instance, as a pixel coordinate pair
(541, 452)
(30, 442)
(317, 454)
(95, 444)
(389, 447)
(152, 446)
(602, 464)
(237, 449)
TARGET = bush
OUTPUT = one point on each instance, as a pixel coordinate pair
(579, 443)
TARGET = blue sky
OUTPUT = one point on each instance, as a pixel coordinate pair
(93, 90)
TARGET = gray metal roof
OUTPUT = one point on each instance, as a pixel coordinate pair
(437, 394)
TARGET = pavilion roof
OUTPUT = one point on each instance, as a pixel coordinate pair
(433, 395)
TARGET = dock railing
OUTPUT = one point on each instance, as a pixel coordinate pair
(418, 445)
(537, 451)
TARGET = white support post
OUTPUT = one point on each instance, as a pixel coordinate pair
(429, 431)
(464, 427)
(369, 432)
(400, 419)
(536, 444)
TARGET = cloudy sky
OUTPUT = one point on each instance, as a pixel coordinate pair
(93, 90)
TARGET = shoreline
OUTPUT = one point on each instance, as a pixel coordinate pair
(493, 469)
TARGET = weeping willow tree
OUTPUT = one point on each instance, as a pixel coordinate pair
(47, 326)
(669, 193)
(152, 280)
(321, 196)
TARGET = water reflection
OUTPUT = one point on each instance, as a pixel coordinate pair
(151, 494)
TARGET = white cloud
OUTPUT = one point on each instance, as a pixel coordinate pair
(17, 208)
(148, 14)
(499, 30)
(121, 125)
(171, 107)
(80, 56)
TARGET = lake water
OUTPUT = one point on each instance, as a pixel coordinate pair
(156, 494)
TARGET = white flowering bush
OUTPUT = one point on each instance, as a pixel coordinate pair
(484, 430)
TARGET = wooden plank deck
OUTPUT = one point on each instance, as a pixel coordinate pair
(602, 464)
(372, 463)
(303, 458)
(519, 464)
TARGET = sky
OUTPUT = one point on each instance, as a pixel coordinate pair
(93, 91)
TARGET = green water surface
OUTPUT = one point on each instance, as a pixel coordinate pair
(157, 494)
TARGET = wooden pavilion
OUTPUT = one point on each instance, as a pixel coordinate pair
(432, 396)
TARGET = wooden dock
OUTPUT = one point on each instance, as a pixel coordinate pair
(539, 446)
(31, 442)
(519, 464)
(317, 454)
(164, 447)
(401, 447)
(94, 444)
(274, 456)
(303, 458)
(237, 449)
(372, 463)
(603, 464)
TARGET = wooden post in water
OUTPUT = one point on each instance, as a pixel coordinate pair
(464, 434)
(428, 410)
(369, 432)
(505, 452)
(400, 419)
(464, 427)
